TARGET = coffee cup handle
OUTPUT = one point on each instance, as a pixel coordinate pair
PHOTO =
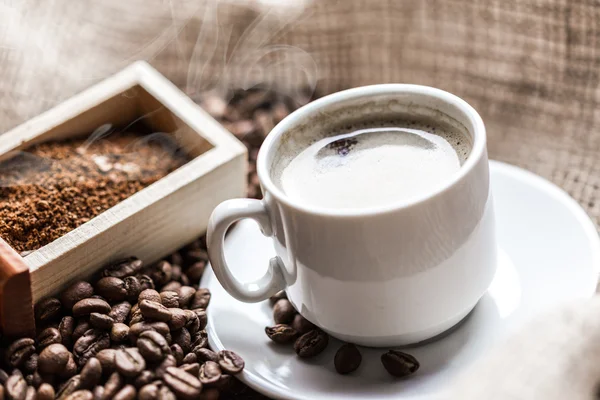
(221, 219)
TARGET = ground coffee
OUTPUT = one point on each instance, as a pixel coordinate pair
(52, 188)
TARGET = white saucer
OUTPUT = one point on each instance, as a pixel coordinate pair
(550, 253)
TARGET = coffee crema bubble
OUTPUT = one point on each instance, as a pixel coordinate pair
(373, 163)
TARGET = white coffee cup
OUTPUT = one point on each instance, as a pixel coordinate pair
(381, 276)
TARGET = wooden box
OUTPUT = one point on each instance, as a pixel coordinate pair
(151, 223)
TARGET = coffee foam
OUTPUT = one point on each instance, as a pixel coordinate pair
(394, 160)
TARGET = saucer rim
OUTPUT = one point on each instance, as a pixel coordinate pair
(269, 389)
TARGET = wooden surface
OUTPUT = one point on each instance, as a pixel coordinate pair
(151, 223)
(16, 307)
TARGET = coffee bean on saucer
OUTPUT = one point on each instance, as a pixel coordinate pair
(301, 324)
(281, 333)
(347, 359)
(283, 312)
(277, 296)
(203, 355)
(399, 364)
(311, 343)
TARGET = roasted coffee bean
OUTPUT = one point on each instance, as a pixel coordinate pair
(88, 306)
(145, 282)
(91, 373)
(101, 321)
(133, 287)
(107, 359)
(201, 299)
(169, 361)
(144, 378)
(31, 365)
(202, 318)
(177, 352)
(98, 392)
(31, 393)
(111, 288)
(192, 323)
(281, 333)
(283, 312)
(195, 255)
(129, 362)
(82, 327)
(172, 286)
(65, 328)
(347, 359)
(399, 364)
(120, 311)
(136, 329)
(119, 332)
(45, 392)
(76, 292)
(210, 373)
(230, 362)
(161, 273)
(112, 386)
(166, 394)
(193, 369)
(190, 358)
(70, 369)
(153, 346)
(178, 318)
(89, 345)
(169, 299)
(183, 338)
(302, 325)
(311, 343)
(19, 352)
(277, 296)
(204, 355)
(135, 315)
(154, 311)
(48, 309)
(209, 394)
(123, 268)
(176, 272)
(80, 395)
(184, 385)
(150, 295)
(69, 387)
(199, 339)
(149, 392)
(16, 387)
(186, 293)
(195, 272)
(53, 359)
(127, 393)
(175, 258)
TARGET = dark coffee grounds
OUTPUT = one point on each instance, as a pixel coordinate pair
(52, 188)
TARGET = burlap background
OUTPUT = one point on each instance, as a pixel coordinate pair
(529, 66)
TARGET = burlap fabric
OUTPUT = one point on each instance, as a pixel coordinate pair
(530, 67)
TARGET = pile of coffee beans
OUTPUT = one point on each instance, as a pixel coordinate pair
(309, 341)
(134, 331)
(250, 115)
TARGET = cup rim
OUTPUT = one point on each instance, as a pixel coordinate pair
(478, 150)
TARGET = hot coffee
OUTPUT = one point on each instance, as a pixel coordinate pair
(372, 163)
